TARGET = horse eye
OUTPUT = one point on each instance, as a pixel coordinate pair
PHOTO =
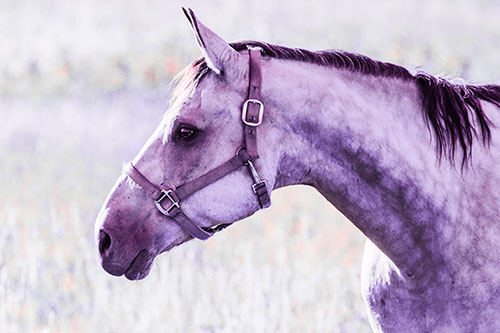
(186, 133)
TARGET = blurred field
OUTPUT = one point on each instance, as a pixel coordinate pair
(82, 86)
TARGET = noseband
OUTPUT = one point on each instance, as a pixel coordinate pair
(252, 115)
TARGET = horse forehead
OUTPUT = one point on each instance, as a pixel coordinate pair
(208, 100)
(214, 93)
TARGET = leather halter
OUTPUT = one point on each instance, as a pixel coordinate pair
(252, 116)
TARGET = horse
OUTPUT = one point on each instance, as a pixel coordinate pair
(409, 158)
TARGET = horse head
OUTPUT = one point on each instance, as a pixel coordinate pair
(201, 131)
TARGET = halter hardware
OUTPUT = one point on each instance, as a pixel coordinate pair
(258, 181)
(174, 203)
(245, 156)
(245, 111)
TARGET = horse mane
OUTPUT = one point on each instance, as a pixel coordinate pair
(453, 110)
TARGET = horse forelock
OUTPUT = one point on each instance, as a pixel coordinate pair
(453, 111)
(186, 80)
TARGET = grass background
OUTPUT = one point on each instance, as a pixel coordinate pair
(83, 85)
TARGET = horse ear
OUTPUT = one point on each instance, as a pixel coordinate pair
(219, 55)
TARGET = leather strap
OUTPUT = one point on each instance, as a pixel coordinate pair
(187, 225)
(254, 115)
(167, 201)
(151, 189)
(210, 177)
(262, 195)
(253, 109)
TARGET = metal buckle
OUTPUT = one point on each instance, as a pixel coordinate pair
(245, 109)
(166, 194)
(254, 186)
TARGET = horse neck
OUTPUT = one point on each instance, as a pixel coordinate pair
(362, 142)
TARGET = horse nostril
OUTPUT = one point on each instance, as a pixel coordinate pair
(104, 242)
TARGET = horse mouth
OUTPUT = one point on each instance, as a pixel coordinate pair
(140, 266)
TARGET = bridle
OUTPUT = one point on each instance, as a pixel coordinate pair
(252, 115)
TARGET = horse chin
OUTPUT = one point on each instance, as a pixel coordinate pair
(140, 266)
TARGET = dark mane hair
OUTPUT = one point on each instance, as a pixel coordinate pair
(452, 110)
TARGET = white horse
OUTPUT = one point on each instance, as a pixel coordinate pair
(410, 159)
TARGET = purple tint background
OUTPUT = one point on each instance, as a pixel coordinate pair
(82, 86)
